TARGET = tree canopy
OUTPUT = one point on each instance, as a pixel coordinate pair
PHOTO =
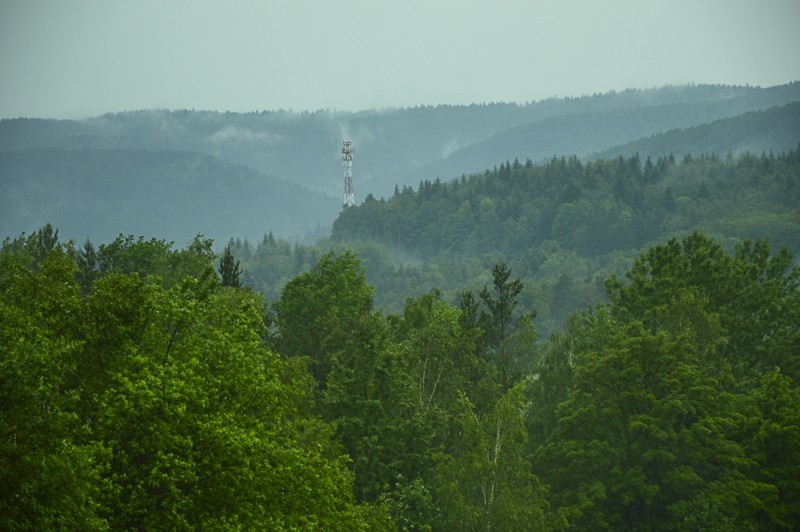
(153, 404)
(139, 392)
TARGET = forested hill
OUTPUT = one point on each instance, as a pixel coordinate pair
(588, 132)
(563, 227)
(401, 145)
(173, 194)
(589, 208)
(773, 130)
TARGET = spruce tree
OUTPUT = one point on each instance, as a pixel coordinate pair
(229, 269)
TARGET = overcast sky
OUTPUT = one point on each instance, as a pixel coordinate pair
(79, 58)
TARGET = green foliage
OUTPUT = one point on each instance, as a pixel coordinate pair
(589, 208)
(639, 415)
(566, 225)
(154, 257)
(563, 274)
(138, 392)
(487, 483)
(202, 422)
(439, 352)
(410, 504)
(663, 415)
(499, 325)
(50, 466)
(154, 402)
(754, 296)
(322, 311)
(773, 442)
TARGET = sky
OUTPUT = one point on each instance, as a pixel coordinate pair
(81, 58)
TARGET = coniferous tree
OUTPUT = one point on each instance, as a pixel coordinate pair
(499, 322)
(88, 264)
(46, 242)
(229, 269)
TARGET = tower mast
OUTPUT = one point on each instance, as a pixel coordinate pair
(347, 163)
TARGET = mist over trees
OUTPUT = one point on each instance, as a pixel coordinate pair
(563, 226)
(243, 174)
(582, 342)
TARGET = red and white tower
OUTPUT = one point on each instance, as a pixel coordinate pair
(347, 163)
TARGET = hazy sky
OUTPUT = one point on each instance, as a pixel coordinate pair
(79, 58)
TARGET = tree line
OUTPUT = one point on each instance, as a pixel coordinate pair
(140, 392)
(591, 208)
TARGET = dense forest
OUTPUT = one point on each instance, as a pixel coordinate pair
(563, 226)
(141, 390)
(606, 340)
(772, 130)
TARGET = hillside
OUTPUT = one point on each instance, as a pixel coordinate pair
(776, 129)
(589, 132)
(170, 194)
(401, 146)
(592, 208)
(563, 226)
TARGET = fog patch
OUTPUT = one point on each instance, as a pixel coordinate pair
(234, 133)
(450, 147)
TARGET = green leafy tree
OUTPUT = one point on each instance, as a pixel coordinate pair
(326, 316)
(322, 310)
(411, 505)
(363, 398)
(50, 465)
(773, 442)
(439, 351)
(755, 294)
(551, 382)
(130, 255)
(486, 482)
(46, 240)
(630, 427)
(204, 428)
(665, 420)
(155, 404)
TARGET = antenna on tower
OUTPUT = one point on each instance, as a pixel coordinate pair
(347, 163)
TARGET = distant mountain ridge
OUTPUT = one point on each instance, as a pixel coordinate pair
(590, 132)
(396, 146)
(165, 194)
(285, 154)
(776, 129)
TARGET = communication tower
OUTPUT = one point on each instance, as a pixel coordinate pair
(347, 163)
